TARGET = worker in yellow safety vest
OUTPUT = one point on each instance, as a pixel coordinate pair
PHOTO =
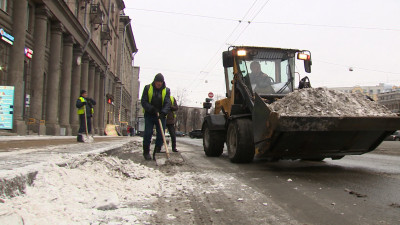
(171, 123)
(82, 102)
(155, 101)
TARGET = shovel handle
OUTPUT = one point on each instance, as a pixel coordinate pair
(163, 136)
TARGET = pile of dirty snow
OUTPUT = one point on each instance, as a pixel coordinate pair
(97, 189)
(324, 102)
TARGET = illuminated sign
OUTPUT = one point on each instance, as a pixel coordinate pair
(28, 53)
(6, 37)
(6, 107)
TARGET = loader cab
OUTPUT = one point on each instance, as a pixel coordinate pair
(265, 71)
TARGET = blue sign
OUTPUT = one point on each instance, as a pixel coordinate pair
(6, 36)
(6, 107)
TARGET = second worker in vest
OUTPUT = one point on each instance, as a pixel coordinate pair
(171, 123)
(155, 100)
(83, 103)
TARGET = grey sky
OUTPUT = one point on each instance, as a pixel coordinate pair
(184, 39)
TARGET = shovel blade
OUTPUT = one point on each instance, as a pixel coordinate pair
(87, 139)
(175, 158)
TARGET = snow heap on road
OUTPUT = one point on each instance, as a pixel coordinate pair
(324, 102)
(97, 189)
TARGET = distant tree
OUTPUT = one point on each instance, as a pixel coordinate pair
(180, 95)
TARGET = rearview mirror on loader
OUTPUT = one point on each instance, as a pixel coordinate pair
(227, 59)
(306, 57)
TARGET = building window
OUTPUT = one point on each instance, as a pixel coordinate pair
(29, 14)
(3, 63)
(3, 5)
(76, 8)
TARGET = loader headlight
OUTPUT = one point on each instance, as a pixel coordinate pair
(303, 56)
(241, 53)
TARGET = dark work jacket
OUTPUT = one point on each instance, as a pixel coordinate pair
(156, 100)
(90, 103)
(170, 116)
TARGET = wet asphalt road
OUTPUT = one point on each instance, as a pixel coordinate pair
(354, 190)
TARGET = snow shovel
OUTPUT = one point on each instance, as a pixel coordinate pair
(170, 158)
(87, 138)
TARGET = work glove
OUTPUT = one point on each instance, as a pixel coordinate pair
(84, 103)
(162, 116)
(153, 110)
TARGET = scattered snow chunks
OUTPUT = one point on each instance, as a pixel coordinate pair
(107, 201)
(289, 180)
(325, 102)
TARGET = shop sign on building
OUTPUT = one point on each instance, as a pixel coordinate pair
(6, 37)
(6, 107)
(28, 53)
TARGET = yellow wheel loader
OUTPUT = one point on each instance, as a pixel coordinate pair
(258, 76)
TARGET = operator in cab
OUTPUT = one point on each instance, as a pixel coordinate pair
(260, 81)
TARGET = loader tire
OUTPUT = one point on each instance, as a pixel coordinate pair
(240, 141)
(213, 142)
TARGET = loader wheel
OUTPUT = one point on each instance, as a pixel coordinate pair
(213, 141)
(240, 141)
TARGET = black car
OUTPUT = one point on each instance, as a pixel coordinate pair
(196, 134)
(180, 134)
(393, 137)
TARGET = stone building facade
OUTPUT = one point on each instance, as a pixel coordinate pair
(391, 100)
(60, 47)
(371, 91)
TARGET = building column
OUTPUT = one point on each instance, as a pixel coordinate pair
(75, 89)
(65, 91)
(38, 64)
(53, 80)
(96, 117)
(101, 105)
(92, 71)
(16, 66)
(85, 72)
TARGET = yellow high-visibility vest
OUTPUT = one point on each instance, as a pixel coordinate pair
(150, 94)
(81, 110)
(172, 103)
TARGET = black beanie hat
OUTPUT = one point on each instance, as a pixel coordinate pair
(159, 77)
(83, 91)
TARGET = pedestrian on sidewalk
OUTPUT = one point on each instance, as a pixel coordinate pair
(156, 104)
(171, 122)
(84, 101)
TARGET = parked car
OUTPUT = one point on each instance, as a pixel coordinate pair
(180, 134)
(196, 134)
(393, 137)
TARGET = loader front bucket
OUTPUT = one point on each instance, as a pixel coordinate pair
(314, 137)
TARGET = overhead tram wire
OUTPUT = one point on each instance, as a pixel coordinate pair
(185, 14)
(356, 67)
(240, 34)
(229, 36)
(267, 22)
(329, 26)
(223, 44)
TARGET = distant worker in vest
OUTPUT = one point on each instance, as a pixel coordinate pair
(82, 103)
(171, 122)
(155, 101)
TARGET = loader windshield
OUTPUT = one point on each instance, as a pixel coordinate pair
(268, 76)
